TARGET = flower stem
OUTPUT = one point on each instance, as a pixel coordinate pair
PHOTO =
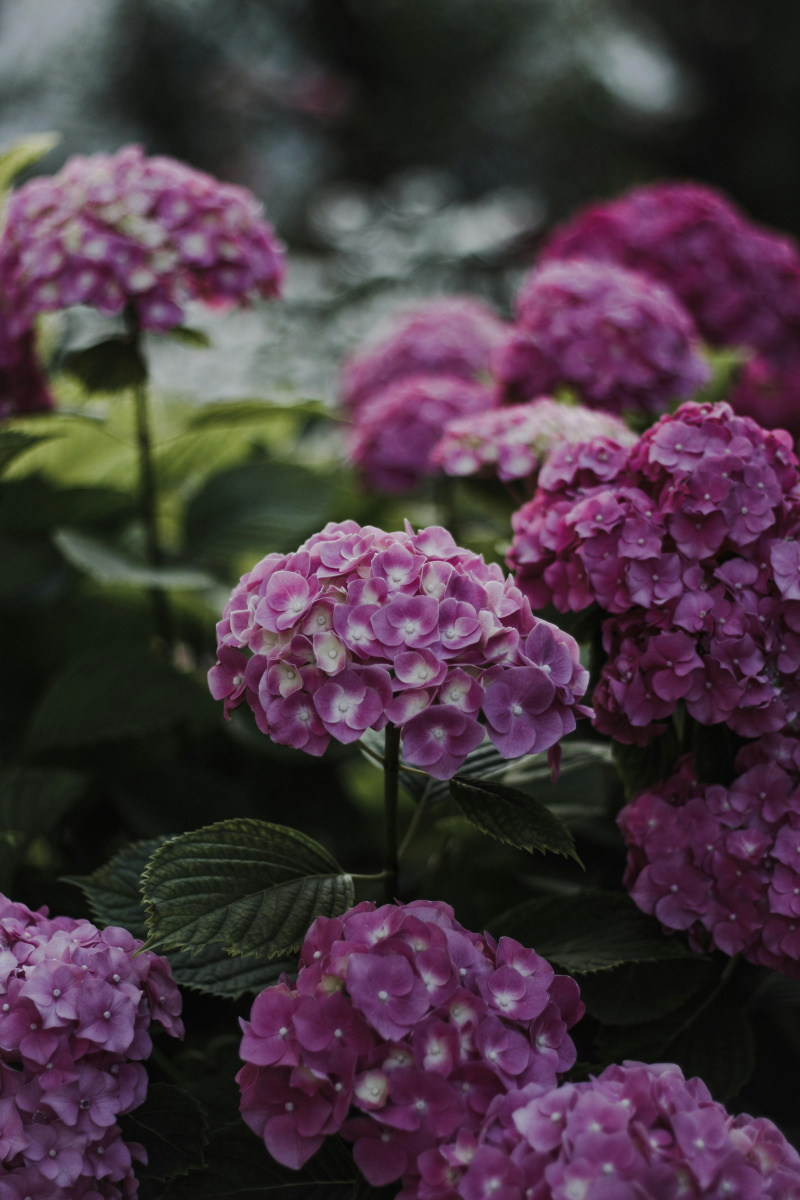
(391, 776)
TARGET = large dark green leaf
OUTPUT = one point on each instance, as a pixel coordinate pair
(109, 567)
(640, 767)
(32, 801)
(107, 697)
(250, 885)
(257, 507)
(589, 931)
(31, 572)
(33, 504)
(109, 366)
(114, 895)
(238, 1167)
(172, 1127)
(511, 816)
(621, 995)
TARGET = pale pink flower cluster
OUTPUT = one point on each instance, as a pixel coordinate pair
(120, 230)
(75, 1006)
(513, 442)
(402, 1029)
(358, 628)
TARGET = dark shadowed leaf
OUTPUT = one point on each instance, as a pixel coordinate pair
(30, 572)
(32, 801)
(109, 567)
(238, 1167)
(639, 767)
(621, 996)
(589, 931)
(511, 816)
(107, 697)
(172, 1127)
(250, 885)
(109, 366)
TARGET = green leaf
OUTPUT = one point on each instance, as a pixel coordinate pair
(109, 366)
(715, 1043)
(640, 767)
(14, 442)
(111, 568)
(247, 412)
(196, 339)
(114, 895)
(30, 572)
(511, 816)
(589, 931)
(621, 995)
(257, 507)
(238, 1167)
(32, 802)
(173, 1129)
(103, 696)
(20, 155)
(251, 885)
(33, 505)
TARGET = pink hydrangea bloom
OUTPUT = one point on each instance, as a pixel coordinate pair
(359, 627)
(23, 387)
(122, 229)
(402, 1029)
(455, 336)
(75, 1006)
(394, 432)
(724, 863)
(769, 395)
(689, 539)
(741, 283)
(514, 441)
(634, 1131)
(620, 339)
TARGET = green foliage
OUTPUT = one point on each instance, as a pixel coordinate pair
(196, 339)
(239, 1168)
(24, 153)
(29, 572)
(173, 1129)
(512, 816)
(32, 802)
(109, 567)
(589, 931)
(640, 767)
(250, 885)
(109, 366)
(14, 442)
(620, 995)
(107, 697)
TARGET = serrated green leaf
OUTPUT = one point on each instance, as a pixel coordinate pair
(173, 1129)
(256, 507)
(253, 886)
(14, 442)
(114, 896)
(111, 568)
(32, 801)
(589, 931)
(511, 816)
(109, 366)
(107, 697)
(20, 155)
(238, 1167)
(621, 995)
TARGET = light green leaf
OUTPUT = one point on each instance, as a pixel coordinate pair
(32, 801)
(196, 339)
(20, 155)
(248, 412)
(14, 442)
(109, 567)
(511, 816)
(253, 886)
(106, 696)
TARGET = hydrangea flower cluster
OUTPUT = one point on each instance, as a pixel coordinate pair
(690, 538)
(514, 441)
(724, 859)
(417, 1024)
(23, 387)
(74, 1013)
(634, 1131)
(359, 628)
(395, 431)
(122, 229)
(621, 340)
(455, 336)
(741, 283)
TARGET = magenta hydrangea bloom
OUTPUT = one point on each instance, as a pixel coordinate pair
(769, 396)
(455, 336)
(358, 628)
(23, 387)
(620, 340)
(636, 1131)
(741, 283)
(513, 441)
(75, 1006)
(690, 540)
(122, 229)
(394, 432)
(724, 862)
(401, 1030)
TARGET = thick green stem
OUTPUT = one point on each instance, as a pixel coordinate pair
(391, 777)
